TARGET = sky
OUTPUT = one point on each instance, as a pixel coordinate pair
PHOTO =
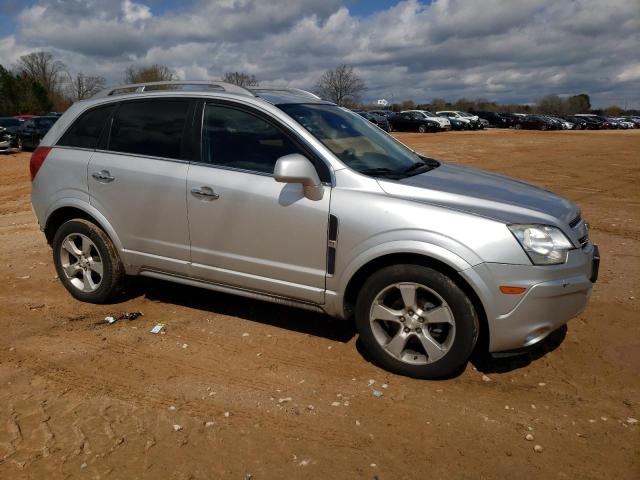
(507, 51)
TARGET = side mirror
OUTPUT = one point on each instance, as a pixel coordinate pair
(296, 168)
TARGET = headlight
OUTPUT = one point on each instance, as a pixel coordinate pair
(545, 245)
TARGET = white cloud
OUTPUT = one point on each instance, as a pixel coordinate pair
(134, 12)
(511, 51)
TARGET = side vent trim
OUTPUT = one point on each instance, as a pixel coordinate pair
(332, 243)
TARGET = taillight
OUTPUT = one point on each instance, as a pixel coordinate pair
(38, 157)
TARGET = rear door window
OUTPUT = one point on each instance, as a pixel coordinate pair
(153, 128)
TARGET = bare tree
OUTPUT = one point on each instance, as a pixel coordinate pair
(84, 86)
(241, 79)
(552, 105)
(341, 85)
(153, 73)
(43, 68)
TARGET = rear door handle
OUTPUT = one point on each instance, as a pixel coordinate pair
(103, 176)
(204, 193)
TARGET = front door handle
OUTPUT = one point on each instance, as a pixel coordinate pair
(204, 193)
(103, 176)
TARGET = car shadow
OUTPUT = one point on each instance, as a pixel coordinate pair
(507, 362)
(280, 316)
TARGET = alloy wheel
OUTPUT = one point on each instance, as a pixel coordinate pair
(81, 262)
(412, 323)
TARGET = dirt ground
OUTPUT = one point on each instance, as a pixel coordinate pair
(242, 389)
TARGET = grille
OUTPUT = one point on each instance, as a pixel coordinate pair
(581, 229)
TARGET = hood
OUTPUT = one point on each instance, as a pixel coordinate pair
(487, 194)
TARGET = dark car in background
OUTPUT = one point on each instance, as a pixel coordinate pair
(376, 119)
(535, 122)
(412, 122)
(11, 124)
(33, 129)
(495, 119)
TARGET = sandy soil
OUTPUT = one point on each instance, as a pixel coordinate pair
(242, 389)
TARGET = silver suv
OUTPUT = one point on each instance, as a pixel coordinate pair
(281, 196)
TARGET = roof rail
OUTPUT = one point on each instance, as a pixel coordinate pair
(295, 91)
(203, 84)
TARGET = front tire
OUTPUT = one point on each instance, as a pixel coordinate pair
(87, 262)
(415, 321)
(422, 129)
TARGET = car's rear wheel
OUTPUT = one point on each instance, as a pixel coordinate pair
(87, 262)
(415, 321)
(422, 128)
(518, 126)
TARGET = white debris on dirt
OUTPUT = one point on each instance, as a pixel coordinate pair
(227, 414)
(83, 466)
(335, 404)
(485, 378)
(541, 384)
(528, 437)
(184, 345)
(172, 407)
(284, 400)
(304, 463)
(371, 382)
(311, 407)
(604, 419)
(357, 423)
(245, 334)
(177, 427)
(631, 420)
(210, 424)
(384, 385)
(537, 448)
(377, 393)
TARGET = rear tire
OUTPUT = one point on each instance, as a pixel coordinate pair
(428, 334)
(87, 262)
(422, 129)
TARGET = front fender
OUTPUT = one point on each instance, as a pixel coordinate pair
(337, 285)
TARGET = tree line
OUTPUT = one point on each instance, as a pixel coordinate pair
(40, 83)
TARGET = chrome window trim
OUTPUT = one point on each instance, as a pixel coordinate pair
(166, 159)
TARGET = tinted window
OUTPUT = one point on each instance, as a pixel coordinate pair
(153, 128)
(85, 132)
(238, 139)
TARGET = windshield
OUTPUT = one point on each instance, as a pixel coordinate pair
(357, 142)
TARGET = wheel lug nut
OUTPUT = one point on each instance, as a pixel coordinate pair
(410, 312)
(418, 330)
(407, 329)
(421, 319)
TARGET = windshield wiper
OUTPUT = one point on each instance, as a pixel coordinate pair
(382, 172)
(423, 166)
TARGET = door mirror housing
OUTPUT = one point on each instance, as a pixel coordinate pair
(296, 168)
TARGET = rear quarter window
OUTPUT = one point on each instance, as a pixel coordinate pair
(86, 130)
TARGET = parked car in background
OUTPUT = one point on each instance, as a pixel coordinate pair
(378, 120)
(536, 122)
(511, 119)
(413, 122)
(471, 120)
(578, 123)
(24, 117)
(11, 124)
(9, 142)
(623, 122)
(484, 123)
(559, 123)
(444, 123)
(494, 119)
(634, 120)
(382, 113)
(602, 122)
(34, 129)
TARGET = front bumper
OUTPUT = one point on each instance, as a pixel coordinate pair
(553, 296)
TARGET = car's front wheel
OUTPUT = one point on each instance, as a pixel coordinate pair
(87, 262)
(415, 321)
(422, 128)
